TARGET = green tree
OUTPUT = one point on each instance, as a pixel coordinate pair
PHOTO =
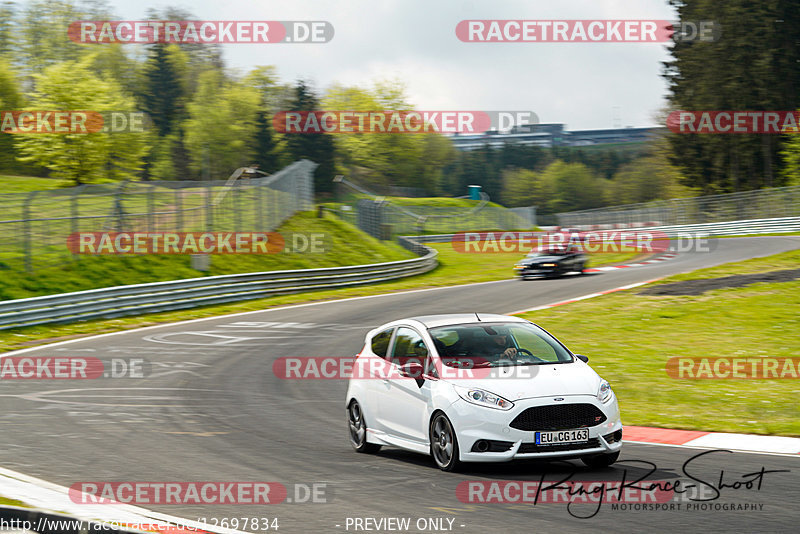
(319, 148)
(10, 98)
(753, 67)
(42, 31)
(8, 16)
(571, 186)
(82, 157)
(163, 93)
(221, 125)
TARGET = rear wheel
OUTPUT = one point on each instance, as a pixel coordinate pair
(444, 445)
(581, 268)
(358, 430)
(601, 460)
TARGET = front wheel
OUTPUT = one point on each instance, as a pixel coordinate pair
(358, 430)
(444, 444)
(601, 460)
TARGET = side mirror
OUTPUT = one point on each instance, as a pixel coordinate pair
(581, 357)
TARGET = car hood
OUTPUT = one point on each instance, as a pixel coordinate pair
(530, 381)
(542, 259)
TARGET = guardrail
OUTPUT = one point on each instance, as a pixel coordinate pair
(136, 299)
(753, 226)
(748, 227)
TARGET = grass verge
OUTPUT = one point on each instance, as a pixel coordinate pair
(629, 337)
(347, 246)
(454, 268)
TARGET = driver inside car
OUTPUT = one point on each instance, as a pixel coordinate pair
(499, 345)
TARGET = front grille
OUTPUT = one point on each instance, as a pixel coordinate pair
(532, 447)
(558, 417)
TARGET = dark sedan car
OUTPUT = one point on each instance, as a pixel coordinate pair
(553, 261)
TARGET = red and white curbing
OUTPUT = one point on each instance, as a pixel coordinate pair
(663, 257)
(711, 440)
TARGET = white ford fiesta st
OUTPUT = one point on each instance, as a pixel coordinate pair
(479, 388)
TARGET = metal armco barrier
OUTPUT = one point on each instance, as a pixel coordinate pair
(749, 227)
(181, 294)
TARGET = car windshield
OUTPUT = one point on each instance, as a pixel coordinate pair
(496, 345)
(552, 251)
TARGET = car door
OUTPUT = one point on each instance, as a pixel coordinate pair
(376, 367)
(403, 402)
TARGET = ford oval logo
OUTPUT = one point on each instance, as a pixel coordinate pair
(558, 399)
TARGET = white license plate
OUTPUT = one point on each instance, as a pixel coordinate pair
(562, 436)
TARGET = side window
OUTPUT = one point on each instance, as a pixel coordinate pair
(380, 342)
(408, 346)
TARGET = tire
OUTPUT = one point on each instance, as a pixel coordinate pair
(444, 444)
(600, 460)
(358, 430)
(581, 268)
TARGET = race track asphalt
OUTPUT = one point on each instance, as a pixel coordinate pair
(211, 409)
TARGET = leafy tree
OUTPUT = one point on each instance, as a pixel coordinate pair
(82, 157)
(42, 31)
(8, 13)
(10, 98)
(221, 126)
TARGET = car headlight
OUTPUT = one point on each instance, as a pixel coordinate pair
(481, 397)
(519, 266)
(604, 393)
(548, 265)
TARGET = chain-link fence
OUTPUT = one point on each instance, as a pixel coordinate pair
(35, 226)
(383, 217)
(759, 204)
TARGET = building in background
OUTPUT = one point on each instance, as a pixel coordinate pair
(550, 135)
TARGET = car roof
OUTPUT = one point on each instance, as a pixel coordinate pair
(431, 321)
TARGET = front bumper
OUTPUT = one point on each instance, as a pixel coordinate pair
(474, 423)
(536, 270)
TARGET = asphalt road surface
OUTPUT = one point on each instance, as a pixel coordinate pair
(212, 410)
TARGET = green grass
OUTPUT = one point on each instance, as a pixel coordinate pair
(26, 184)
(349, 246)
(629, 338)
(455, 268)
(11, 502)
